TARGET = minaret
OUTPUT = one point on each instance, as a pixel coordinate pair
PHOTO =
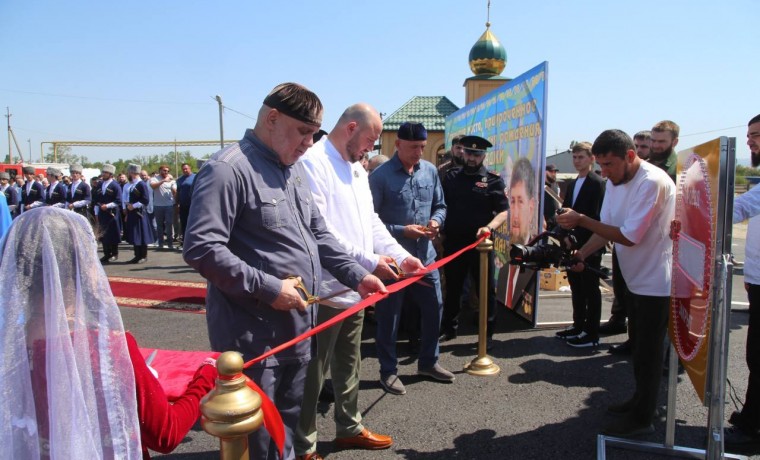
(488, 58)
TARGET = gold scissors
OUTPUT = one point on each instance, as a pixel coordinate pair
(399, 272)
(311, 298)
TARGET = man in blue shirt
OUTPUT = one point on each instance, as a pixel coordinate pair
(184, 194)
(408, 198)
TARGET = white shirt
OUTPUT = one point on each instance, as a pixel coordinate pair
(341, 192)
(643, 209)
(577, 188)
(72, 191)
(747, 206)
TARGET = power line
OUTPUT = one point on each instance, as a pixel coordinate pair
(239, 113)
(711, 131)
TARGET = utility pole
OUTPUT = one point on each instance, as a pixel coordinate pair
(8, 116)
(30, 148)
(221, 121)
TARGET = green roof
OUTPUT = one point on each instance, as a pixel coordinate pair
(431, 111)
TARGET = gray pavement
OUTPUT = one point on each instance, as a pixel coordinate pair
(548, 401)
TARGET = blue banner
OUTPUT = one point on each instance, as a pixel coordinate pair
(513, 119)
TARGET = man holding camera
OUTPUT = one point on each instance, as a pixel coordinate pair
(638, 208)
(584, 195)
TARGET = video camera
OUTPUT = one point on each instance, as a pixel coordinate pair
(551, 248)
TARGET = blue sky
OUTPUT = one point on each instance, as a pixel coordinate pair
(148, 71)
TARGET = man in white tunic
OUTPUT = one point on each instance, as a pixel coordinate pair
(341, 192)
(638, 208)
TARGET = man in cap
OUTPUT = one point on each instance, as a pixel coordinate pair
(256, 235)
(341, 192)
(408, 198)
(10, 192)
(137, 229)
(476, 203)
(32, 194)
(107, 199)
(55, 195)
(80, 193)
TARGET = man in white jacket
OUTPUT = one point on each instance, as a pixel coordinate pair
(341, 192)
(746, 424)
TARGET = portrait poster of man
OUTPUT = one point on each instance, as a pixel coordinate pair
(512, 118)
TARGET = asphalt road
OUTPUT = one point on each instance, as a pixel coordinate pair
(548, 401)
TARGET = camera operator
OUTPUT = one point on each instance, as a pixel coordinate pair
(636, 214)
(585, 195)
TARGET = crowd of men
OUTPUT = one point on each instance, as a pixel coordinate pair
(278, 223)
(313, 231)
(139, 208)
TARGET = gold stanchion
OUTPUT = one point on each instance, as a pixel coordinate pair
(231, 411)
(483, 365)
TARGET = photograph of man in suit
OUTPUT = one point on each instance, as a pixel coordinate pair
(519, 287)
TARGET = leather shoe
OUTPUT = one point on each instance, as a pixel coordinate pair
(446, 336)
(622, 349)
(392, 384)
(438, 373)
(104, 260)
(365, 440)
(613, 327)
(311, 456)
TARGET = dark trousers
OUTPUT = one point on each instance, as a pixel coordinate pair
(618, 312)
(110, 250)
(587, 299)
(647, 325)
(184, 211)
(751, 412)
(141, 251)
(284, 385)
(457, 273)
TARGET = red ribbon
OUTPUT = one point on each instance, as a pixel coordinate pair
(272, 419)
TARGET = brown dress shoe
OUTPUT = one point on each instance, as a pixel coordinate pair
(311, 456)
(365, 440)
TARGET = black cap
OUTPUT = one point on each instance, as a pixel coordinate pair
(410, 131)
(475, 145)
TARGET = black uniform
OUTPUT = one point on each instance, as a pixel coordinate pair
(34, 195)
(79, 194)
(109, 220)
(11, 196)
(472, 201)
(56, 194)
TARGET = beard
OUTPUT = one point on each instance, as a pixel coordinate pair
(755, 159)
(458, 161)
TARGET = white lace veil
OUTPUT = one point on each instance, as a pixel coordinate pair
(68, 387)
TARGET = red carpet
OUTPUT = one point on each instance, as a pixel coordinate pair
(159, 294)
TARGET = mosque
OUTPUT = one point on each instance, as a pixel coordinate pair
(488, 58)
